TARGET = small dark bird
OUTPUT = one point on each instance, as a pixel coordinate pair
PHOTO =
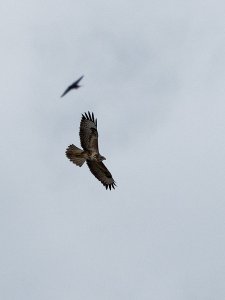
(74, 85)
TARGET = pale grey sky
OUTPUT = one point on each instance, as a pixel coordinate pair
(154, 78)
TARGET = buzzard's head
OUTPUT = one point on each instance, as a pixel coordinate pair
(101, 158)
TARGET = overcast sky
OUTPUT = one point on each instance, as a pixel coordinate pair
(154, 78)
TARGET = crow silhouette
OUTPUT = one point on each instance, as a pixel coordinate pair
(74, 85)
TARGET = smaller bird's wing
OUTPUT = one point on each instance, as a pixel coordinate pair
(72, 86)
(78, 80)
(89, 132)
(99, 170)
(66, 91)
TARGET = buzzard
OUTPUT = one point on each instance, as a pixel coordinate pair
(90, 152)
(74, 85)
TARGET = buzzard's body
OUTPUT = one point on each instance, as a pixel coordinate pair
(90, 152)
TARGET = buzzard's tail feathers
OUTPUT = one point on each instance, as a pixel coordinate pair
(75, 155)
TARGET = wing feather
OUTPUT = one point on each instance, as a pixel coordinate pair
(89, 132)
(99, 170)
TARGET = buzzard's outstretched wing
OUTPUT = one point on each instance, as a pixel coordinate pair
(99, 170)
(89, 132)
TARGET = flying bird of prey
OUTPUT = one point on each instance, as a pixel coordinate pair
(74, 85)
(90, 152)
